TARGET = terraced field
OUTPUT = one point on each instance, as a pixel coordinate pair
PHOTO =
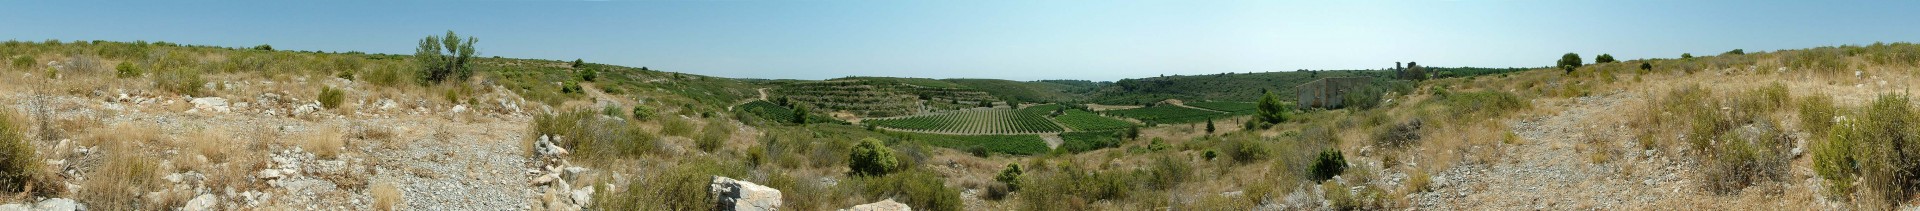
(1082, 120)
(1168, 114)
(980, 121)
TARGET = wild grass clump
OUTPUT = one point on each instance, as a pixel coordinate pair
(676, 126)
(683, 187)
(1245, 150)
(20, 166)
(1882, 148)
(119, 182)
(1070, 186)
(126, 70)
(185, 81)
(919, 189)
(1825, 60)
(1816, 114)
(385, 196)
(589, 135)
(714, 135)
(24, 62)
(1476, 106)
(1399, 135)
(331, 98)
(1735, 137)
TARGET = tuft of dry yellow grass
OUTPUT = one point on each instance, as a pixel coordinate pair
(324, 141)
(385, 196)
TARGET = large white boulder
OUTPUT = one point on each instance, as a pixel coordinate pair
(882, 205)
(730, 194)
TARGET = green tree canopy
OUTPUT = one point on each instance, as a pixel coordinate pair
(444, 57)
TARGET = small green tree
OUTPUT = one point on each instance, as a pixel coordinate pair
(588, 75)
(1646, 66)
(1603, 58)
(577, 63)
(1010, 176)
(1209, 126)
(1735, 52)
(263, 47)
(799, 115)
(1686, 55)
(443, 58)
(871, 158)
(1569, 61)
(1133, 132)
(1330, 163)
(986, 104)
(1271, 109)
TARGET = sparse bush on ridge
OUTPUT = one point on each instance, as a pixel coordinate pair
(331, 98)
(443, 58)
(1568, 62)
(1603, 58)
(182, 80)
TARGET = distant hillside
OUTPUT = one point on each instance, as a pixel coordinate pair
(1245, 86)
(1050, 91)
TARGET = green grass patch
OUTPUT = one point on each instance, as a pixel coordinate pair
(1168, 114)
(1009, 144)
(1088, 121)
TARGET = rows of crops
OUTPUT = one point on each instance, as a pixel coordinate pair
(1008, 144)
(981, 121)
(1168, 114)
(1229, 107)
(1082, 120)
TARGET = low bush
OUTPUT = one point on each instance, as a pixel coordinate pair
(1885, 151)
(1010, 176)
(1246, 149)
(24, 62)
(185, 81)
(1399, 135)
(715, 134)
(1816, 114)
(683, 187)
(872, 158)
(331, 98)
(642, 113)
(1330, 163)
(126, 70)
(20, 166)
(591, 137)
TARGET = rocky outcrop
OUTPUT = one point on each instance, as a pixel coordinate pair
(209, 104)
(51, 204)
(730, 194)
(882, 205)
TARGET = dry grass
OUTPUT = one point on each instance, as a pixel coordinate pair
(323, 141)
(385, 196)
(126, 172)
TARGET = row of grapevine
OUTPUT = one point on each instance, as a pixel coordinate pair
(978, 121)
(1088, 121)
(1169, 114)
(1229, 107)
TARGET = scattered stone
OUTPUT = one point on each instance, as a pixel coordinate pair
(203, 202)
(882, 205)
(58, 204)
(459, 108)
(544, 179)
(583, 196)
(730, 194)
(387, 104)
(210, 104)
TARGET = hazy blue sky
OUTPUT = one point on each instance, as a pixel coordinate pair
(1022, 40)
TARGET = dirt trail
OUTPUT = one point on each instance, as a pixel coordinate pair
(1554, 167)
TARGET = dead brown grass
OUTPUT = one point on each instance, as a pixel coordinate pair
(385, 196)
(324, 141)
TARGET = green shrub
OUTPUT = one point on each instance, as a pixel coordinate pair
(185, 81)
(1330, 163)
(642, 112)
(1686, 55)
(1271, 110)
(714, 135)
(24, 62)
(1603, 58)
(1167, 172)
(126, 70)
(1816, 114)
(1834, 159)
(676, 126)
(1735, 52)
(331, 98)
(683, 187)
(588, 75)
(20, 166)
(871, 158)
(1338, 197)
(1887, 149)
(594, 138)
(1010, 176)
(1399, 135)
(1246, 150)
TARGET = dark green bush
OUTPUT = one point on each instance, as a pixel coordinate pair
(1816, 114)
(588, 75)
(1010, 176)
(443, 58)
(126, 70)
(24, 62)
(872, 158)
(1246, 150)
(1886, 150)
(642, 112)
(331, 98)
(1603, 58)
(1569, 61)
(1330, 163)
(20, 166)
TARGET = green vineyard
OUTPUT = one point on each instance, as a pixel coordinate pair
(979, 121)
(1237, 108)
(1082, 120)
(1088, 141)
(1168, 114)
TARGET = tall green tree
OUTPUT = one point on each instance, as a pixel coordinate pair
(443, 58)
(1271, 109)
(1209, 126)
(1569, 61)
